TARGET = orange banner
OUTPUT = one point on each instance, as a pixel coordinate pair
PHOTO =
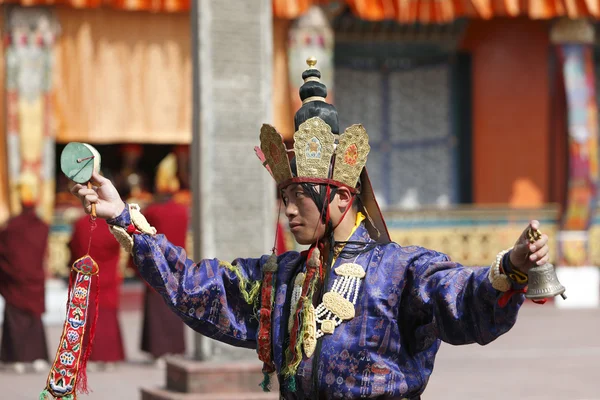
(405, 11)
(130, 5)
(442, 11)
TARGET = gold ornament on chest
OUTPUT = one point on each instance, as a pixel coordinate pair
(309, 337)
(338, 304)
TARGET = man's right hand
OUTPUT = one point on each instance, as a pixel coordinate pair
(103, 194)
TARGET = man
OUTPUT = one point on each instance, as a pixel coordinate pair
(162, 331)
(23, 247)
(354, 316)
(105, 250)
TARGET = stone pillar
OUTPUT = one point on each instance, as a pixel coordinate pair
(234, 197)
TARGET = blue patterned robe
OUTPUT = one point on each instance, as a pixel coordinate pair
(410, 300)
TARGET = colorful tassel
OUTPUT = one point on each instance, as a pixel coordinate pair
(250, 296)
(294, 350)
(265, 351)
(266, 383)
(291, 384)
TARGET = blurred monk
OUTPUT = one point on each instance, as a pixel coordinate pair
(105, 250)
(163, 331)
(23, 247)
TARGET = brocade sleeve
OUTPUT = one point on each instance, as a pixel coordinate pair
(454, 303)
(215, 298)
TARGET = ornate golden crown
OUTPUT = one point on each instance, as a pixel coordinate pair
(315, 145)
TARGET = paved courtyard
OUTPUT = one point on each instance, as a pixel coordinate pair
(549, 354)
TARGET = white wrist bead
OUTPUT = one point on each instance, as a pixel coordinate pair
(499, 280)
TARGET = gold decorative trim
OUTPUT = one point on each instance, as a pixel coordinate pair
(273, 148)
(314, 146)
(351, 155)
(313, 98)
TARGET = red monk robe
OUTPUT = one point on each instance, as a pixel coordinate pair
(108, 343)
(23, 245)
(163, 331)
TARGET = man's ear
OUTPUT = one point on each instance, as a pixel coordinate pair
(345, 197)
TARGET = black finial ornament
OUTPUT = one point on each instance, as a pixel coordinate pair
(313, 94)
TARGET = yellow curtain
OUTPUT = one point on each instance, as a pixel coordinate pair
(127, 84)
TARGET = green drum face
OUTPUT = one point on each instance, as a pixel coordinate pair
(78, 161)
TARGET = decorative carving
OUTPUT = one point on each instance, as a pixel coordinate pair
(309, 341)
(337, 304)
(273, 148)
(351, 155)
(328, 326)
(313, 145)
(350, 269)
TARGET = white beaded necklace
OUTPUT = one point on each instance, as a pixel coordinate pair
(296, 294)
(338, 304)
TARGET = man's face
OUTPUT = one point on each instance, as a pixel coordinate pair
(304, 218)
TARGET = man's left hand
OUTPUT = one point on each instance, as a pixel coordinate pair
(526, 255)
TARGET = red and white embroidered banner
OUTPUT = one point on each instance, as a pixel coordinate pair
(67, 374)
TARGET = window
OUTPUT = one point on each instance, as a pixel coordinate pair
(416, 110)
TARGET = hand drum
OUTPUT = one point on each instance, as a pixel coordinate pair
(78, 161)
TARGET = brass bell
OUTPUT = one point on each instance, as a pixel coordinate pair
(543, 283)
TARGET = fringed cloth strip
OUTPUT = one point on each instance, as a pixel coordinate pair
(250, 296)
(319, 181)
(67, 375)
(269, 270)
(264, 333)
